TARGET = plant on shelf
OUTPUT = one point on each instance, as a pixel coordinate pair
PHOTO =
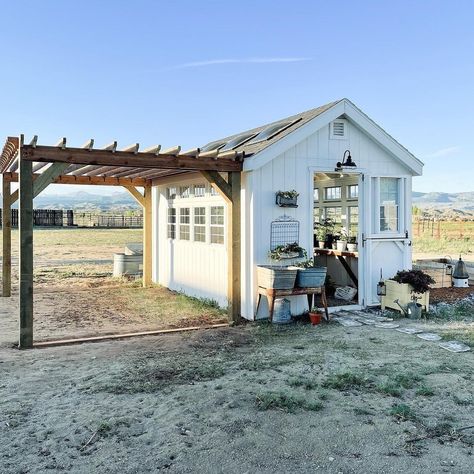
(417, 279)
(352, 243)
(342, 240)
(287, 198)
(320, 236)
(287, 251)
(325, 230)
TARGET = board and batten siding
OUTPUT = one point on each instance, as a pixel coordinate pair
(196, 268)
(294, 169)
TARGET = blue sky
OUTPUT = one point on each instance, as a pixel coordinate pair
(187, 72)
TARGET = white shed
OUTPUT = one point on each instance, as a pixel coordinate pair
(371, 200)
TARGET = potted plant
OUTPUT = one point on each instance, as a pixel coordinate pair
(407, 286)
(315, 316)
(352, 244)
(287, 198)
(326, 229)
(320, 237)
(287, 251)
(308, 275)
(342, 240)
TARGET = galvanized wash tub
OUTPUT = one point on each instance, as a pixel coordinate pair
(127, 264)
(273, 276)
(311, 277)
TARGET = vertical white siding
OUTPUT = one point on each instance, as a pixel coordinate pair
(195, 268)
(294, 170)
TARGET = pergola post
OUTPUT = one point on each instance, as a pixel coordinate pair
(230, 191)
(26, 252)
(234, 249)
(7, 238)
(147, 237)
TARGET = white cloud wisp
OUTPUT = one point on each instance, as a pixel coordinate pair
(217, 62)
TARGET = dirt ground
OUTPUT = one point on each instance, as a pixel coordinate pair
(249, 399)
(254, 399)
(75, 295)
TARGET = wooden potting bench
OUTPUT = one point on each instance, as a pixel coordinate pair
(273, 293)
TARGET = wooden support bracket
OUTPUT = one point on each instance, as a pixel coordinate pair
(219, 184)
(137, 195)
(47, 177)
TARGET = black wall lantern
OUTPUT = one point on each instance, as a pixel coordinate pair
(346, 162)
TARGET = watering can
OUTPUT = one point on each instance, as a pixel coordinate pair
(411, 310)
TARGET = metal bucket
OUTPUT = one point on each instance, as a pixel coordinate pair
(281, 311)
(127, 264)
(311, 277)
(279, 278)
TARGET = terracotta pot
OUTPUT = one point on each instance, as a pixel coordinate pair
(315, 317)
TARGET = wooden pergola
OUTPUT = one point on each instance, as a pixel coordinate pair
(35, 166)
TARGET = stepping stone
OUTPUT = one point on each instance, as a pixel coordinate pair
(410, 330)
(348, 322)
(429, 336)
(454, 346)
(386, 325)
(347, 314)
(368, 322)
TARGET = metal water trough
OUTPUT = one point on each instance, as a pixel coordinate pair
(128, 264)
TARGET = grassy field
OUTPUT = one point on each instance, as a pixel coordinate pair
(452, 238)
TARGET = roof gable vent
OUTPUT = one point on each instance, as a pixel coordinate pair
(338, 129)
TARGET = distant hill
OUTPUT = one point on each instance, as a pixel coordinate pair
(81, 200)
(446, 205)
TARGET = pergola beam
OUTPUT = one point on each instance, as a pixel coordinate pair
(91, 180)
(80, 156)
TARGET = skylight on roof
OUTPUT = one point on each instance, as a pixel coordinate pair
(213, 145)
(272, 130)
(239, 140)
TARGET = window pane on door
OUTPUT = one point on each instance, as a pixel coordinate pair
(199, 224)
(389, 204)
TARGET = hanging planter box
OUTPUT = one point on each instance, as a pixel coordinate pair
(403, 293)
(279, 278)
(287, 199)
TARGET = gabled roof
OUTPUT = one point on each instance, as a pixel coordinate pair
(299, 119)
(306, 123)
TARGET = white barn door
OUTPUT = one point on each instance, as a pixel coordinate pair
(386, 226)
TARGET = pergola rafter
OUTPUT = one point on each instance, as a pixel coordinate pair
(35, 166)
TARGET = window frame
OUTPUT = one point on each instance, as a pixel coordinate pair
(219, 226)
(326, 189)
(183, 225)
(199, 225)
(171, 226)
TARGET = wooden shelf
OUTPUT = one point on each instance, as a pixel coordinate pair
(335, 253)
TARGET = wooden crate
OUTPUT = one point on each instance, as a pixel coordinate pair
(402, 292)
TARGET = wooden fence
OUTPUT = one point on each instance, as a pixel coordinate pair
(70, 218)
(443, 229)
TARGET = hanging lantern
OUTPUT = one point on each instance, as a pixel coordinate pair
(460, 275)
(381, 287)
(449, 269)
